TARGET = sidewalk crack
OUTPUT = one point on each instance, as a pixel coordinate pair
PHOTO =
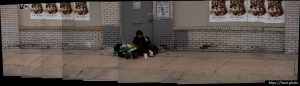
(79, 73)
(180, 77)
(238, 76)
(73, 60)
(222, 65)
(168, 62)
(37, 59)
(176, 78)
(168, 76)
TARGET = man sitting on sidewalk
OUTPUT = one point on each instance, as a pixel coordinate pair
(143, 44)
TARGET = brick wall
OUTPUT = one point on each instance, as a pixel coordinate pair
(234, 39)
(110, 19)
(40, 38)
(9, 26)
(61, 37)
(243, 39)
(110, 13)
(180, 39)
(111, 35)
(82, 38)
(292, 27)
(67, 36)
(240, 39)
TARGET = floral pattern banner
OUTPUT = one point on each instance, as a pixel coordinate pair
(275, 11)
(60, 11)
(267, 11)
(162, 8)
(218, 11)
(237, 10)
(37, 11)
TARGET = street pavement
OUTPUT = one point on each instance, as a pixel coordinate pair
(182, 67)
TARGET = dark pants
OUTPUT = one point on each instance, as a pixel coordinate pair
(145, 49)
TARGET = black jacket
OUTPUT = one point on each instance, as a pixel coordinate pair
(141, 41)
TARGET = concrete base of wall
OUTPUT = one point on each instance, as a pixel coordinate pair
(163, 33)
(244, 39)
(111, 35)
(65, 38)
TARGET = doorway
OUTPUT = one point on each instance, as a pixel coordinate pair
(136, 15)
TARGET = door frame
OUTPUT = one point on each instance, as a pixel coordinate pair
(122, 27)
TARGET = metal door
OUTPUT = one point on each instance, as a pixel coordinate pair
(136, 15)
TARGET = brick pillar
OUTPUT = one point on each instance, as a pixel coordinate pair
(163, 27)
(110, 13)
(9, 26)
(292, 27)
(110, 21)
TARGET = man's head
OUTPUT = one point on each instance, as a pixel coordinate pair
(139, 33)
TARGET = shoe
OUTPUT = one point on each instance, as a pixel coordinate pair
(151, 53)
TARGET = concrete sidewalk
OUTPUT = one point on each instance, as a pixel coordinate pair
(182, 67)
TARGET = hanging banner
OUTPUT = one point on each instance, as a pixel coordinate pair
(237, 10)
(218, 11)
(257, 10)
(262, 15)
(66, 11)
(162, 9)
(252, 11)
(24, 6)
(60, 11)
(82, 11)
(275, 11)
(136, 4)
(51, 11)
(266, 11)
(37, 11)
